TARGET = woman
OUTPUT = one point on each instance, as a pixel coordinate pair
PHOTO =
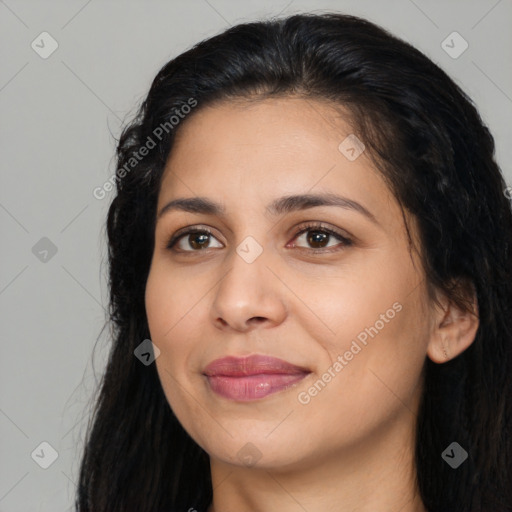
(311, 285)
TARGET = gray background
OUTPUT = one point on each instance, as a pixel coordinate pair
(59, 117)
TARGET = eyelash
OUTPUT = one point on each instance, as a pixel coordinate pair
(346, 242)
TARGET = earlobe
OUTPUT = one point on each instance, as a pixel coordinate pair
(454, 331)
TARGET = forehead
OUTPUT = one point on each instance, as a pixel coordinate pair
(233, 151)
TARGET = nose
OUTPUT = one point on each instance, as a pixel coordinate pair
(248, 295)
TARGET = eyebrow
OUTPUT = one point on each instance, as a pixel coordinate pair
(280, 206)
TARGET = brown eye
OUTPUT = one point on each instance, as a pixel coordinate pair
(315, 236)
(196, 240)
(319, 237)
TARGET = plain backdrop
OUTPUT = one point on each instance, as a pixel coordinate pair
(60, 115)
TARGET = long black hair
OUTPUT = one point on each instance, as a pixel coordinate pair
(429, 143)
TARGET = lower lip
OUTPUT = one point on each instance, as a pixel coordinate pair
(252, 387)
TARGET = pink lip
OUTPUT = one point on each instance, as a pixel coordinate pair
(252, 377)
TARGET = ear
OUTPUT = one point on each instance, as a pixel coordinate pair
(453, 329)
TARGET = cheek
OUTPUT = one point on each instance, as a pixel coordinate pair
(374, 376)
(352, 306)
(169, 310)
(385, 355)
(167, 319)
(173, 305)
(170, 302)
(375, 320)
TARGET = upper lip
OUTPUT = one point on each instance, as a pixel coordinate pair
(251, 365)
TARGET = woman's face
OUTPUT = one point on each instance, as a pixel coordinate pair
(330, 289)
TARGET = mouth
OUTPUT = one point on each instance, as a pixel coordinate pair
(253, 377)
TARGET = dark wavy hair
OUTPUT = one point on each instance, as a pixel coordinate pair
(430, 144)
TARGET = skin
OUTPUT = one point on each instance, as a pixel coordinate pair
(351, 446)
